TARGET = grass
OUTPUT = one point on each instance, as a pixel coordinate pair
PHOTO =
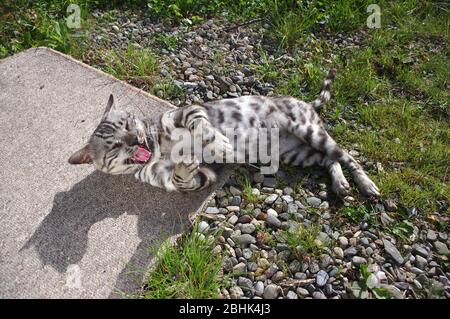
(188, 270)
(136, 66)
(357, 214)
(302, 241)
(247, 191)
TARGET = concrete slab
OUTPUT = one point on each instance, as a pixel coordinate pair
(68, 231)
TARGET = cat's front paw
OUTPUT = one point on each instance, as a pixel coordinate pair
(187, 167)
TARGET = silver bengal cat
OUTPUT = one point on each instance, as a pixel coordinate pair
(124, 144)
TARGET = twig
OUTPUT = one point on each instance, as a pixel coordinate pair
(242, 24)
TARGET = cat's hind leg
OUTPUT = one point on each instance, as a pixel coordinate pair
(296, 153)
(318, 138)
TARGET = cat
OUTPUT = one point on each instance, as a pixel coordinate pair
(124, 144)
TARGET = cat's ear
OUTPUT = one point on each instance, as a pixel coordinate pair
(109, 106)
(81, 156)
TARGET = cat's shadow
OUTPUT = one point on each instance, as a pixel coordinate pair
(62, 237)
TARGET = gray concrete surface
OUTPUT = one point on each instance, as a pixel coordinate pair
(69, 231)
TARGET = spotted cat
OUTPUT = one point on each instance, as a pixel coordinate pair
(124, 144)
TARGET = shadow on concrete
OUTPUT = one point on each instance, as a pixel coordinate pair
(62, 237)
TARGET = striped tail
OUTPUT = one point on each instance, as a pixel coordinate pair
(325, 93)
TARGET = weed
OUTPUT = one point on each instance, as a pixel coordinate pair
(302, 241)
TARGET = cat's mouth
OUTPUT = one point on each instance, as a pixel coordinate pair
(141, 156)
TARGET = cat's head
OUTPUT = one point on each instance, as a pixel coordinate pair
(118, 144)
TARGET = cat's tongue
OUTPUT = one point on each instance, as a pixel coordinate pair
(141, 155)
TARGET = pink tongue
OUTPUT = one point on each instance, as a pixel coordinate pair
(141, 155)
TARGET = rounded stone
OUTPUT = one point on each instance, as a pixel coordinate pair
(271, 291)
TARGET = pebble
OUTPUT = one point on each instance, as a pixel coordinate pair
(321, 278)
(269, 200)
(359, 260)
(421, 262)
(271, 292)
(313, 201)
(239, 268)
(203, 227)
(419, 250)
(350, 251)
(313, 268)
(343, 241)
(259, 288)
(325, 261)
(300, 275)
(236, 292)
(273, 221)
(247, 253)
(212, 210)
(244, 219)
(233, 219)
(236, 200)
(263, 263)
(291, 295)
(251, 266)
(288, 199)
(272, 212)
(338, 252)
(247, 229)
(244, 239)
(271, 271)
(431, 235)
(393, 251)
(292, 208)
(245, 283)
(302, 292)
(269, 182)
(256, 192)
(441, 248)
(318, 295)
(233, 209)
(278, 276)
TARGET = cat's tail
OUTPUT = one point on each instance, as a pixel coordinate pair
(325, 94)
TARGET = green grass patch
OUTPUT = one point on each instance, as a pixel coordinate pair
(247, 191)
(136, 66)
(187, 270)
(302, 241)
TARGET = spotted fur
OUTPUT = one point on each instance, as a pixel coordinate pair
(303, 140)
